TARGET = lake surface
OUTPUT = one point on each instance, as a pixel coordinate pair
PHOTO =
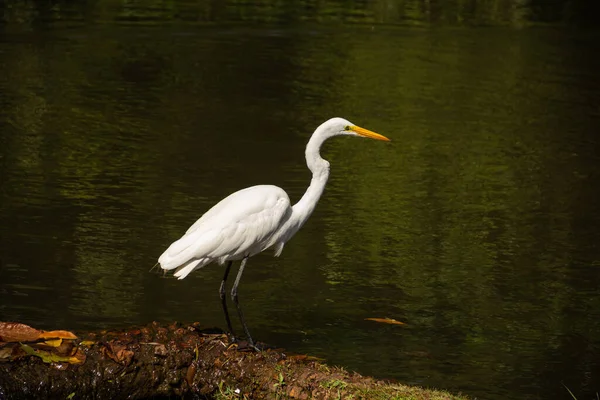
(477, 226)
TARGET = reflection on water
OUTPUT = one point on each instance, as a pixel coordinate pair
(517, 13)
(476, 226)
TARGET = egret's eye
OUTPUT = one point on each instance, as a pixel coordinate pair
(347, 128)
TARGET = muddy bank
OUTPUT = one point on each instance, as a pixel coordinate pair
(171, 360)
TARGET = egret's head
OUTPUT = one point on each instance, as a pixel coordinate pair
(341, 126)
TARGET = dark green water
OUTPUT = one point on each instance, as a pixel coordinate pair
(478, 226)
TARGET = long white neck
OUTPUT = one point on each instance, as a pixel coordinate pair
(320, 173)
(304, 208)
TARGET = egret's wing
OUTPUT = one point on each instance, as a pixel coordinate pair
(249, 234)
(240, 204)
(239, 225)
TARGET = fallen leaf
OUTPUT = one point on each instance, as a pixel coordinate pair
(78, 358)
(295, 392)
(304, 357)
(87, 343)
(57, 335)
(49, 357)
(53, 342)
(160, 350)
(65, 348)
(191, 372)
(6, 353)
(385, 321)
(124, 356)
(118, 353)
(16, 332)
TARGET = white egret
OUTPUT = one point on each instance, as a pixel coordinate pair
(254, 219)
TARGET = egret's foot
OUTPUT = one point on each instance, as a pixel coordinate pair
(232, 339)
(245, 345)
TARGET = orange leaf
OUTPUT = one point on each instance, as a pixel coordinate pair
(16, 332)
(57, 335)
(385, 321)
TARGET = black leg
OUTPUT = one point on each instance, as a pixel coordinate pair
(224, 298)
(234, 297)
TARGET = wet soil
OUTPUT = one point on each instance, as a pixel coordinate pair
(160, 361)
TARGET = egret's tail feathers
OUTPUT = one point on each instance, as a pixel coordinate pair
(179, 253)
(184, 270)
(190, 247)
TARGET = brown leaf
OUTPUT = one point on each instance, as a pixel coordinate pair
(304, 357)
(385, 321)
(118, 353)
(65, 348)
(78, 358)
(191, 372)
(124, 356)
(160, 350)
(57, 335)
(6, 353)
(16, 332)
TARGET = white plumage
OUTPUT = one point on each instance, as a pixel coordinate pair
(240, 225)
(254, 219)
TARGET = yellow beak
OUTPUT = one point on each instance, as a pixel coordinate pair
(367, 133)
